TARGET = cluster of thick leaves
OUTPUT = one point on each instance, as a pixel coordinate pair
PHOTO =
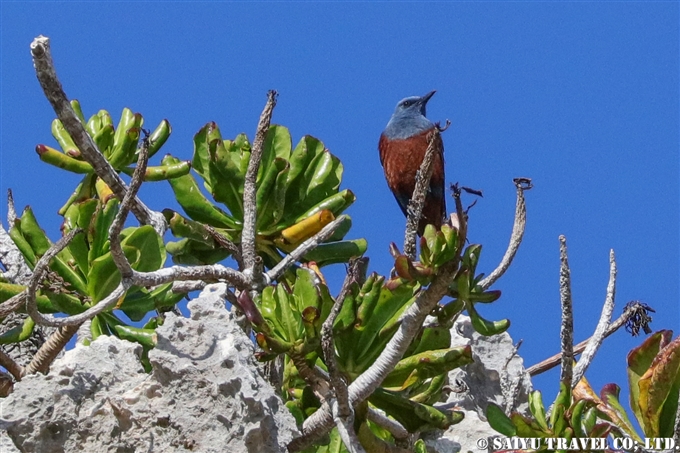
(297, 195)
(288, 318)
(437, 247)
(290, 323)
(654, 383)
(118, 145)
(84, 273)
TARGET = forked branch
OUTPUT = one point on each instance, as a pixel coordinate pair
(411, 322)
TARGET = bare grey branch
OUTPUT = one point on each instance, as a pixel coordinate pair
(250, 186)
(600, 331)
(567, 327)
(516, 236)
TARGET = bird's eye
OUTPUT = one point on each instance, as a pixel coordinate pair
(407, 103)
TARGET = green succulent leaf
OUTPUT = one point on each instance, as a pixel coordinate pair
(427, 365)
(537, 409)
(499, 421)
(484, 327)
(336, 252)
(145, 337)
(194, 203)
(18, 333)
(413, 416)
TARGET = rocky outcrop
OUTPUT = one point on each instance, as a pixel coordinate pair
(497, 375)
(204, 394)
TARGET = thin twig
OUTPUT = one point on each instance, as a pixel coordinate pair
(567, 327)
(605, 317)
(208, 273)
(417, 202)
(337, 382)
(47, 76)
(38, 273)
(116, 227)
(12, 304)
(518, 227)
(345, 425)
(304, 248)
(509, 386)
(250, 186)
(226, 244)
(631, 311)
(213, 272)
(107, 303)
(11, 365)
(316, 380)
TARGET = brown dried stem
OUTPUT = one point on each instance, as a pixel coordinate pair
(226, 244)
(629, 312)
(50, 350)
(11, 365)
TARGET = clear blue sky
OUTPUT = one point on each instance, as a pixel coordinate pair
(582, 97)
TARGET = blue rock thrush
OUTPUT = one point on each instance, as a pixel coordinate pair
(402, 149)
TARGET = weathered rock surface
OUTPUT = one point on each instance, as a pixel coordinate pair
(205, 394)
(497, 375)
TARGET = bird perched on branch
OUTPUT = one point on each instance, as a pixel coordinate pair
(402, 148)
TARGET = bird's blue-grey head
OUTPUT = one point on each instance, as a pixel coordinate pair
(409, 118)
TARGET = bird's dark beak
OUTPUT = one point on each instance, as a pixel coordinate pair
(428, 96)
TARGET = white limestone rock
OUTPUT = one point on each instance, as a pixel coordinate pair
(204, 394)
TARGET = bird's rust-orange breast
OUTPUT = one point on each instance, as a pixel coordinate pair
(401, 160)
